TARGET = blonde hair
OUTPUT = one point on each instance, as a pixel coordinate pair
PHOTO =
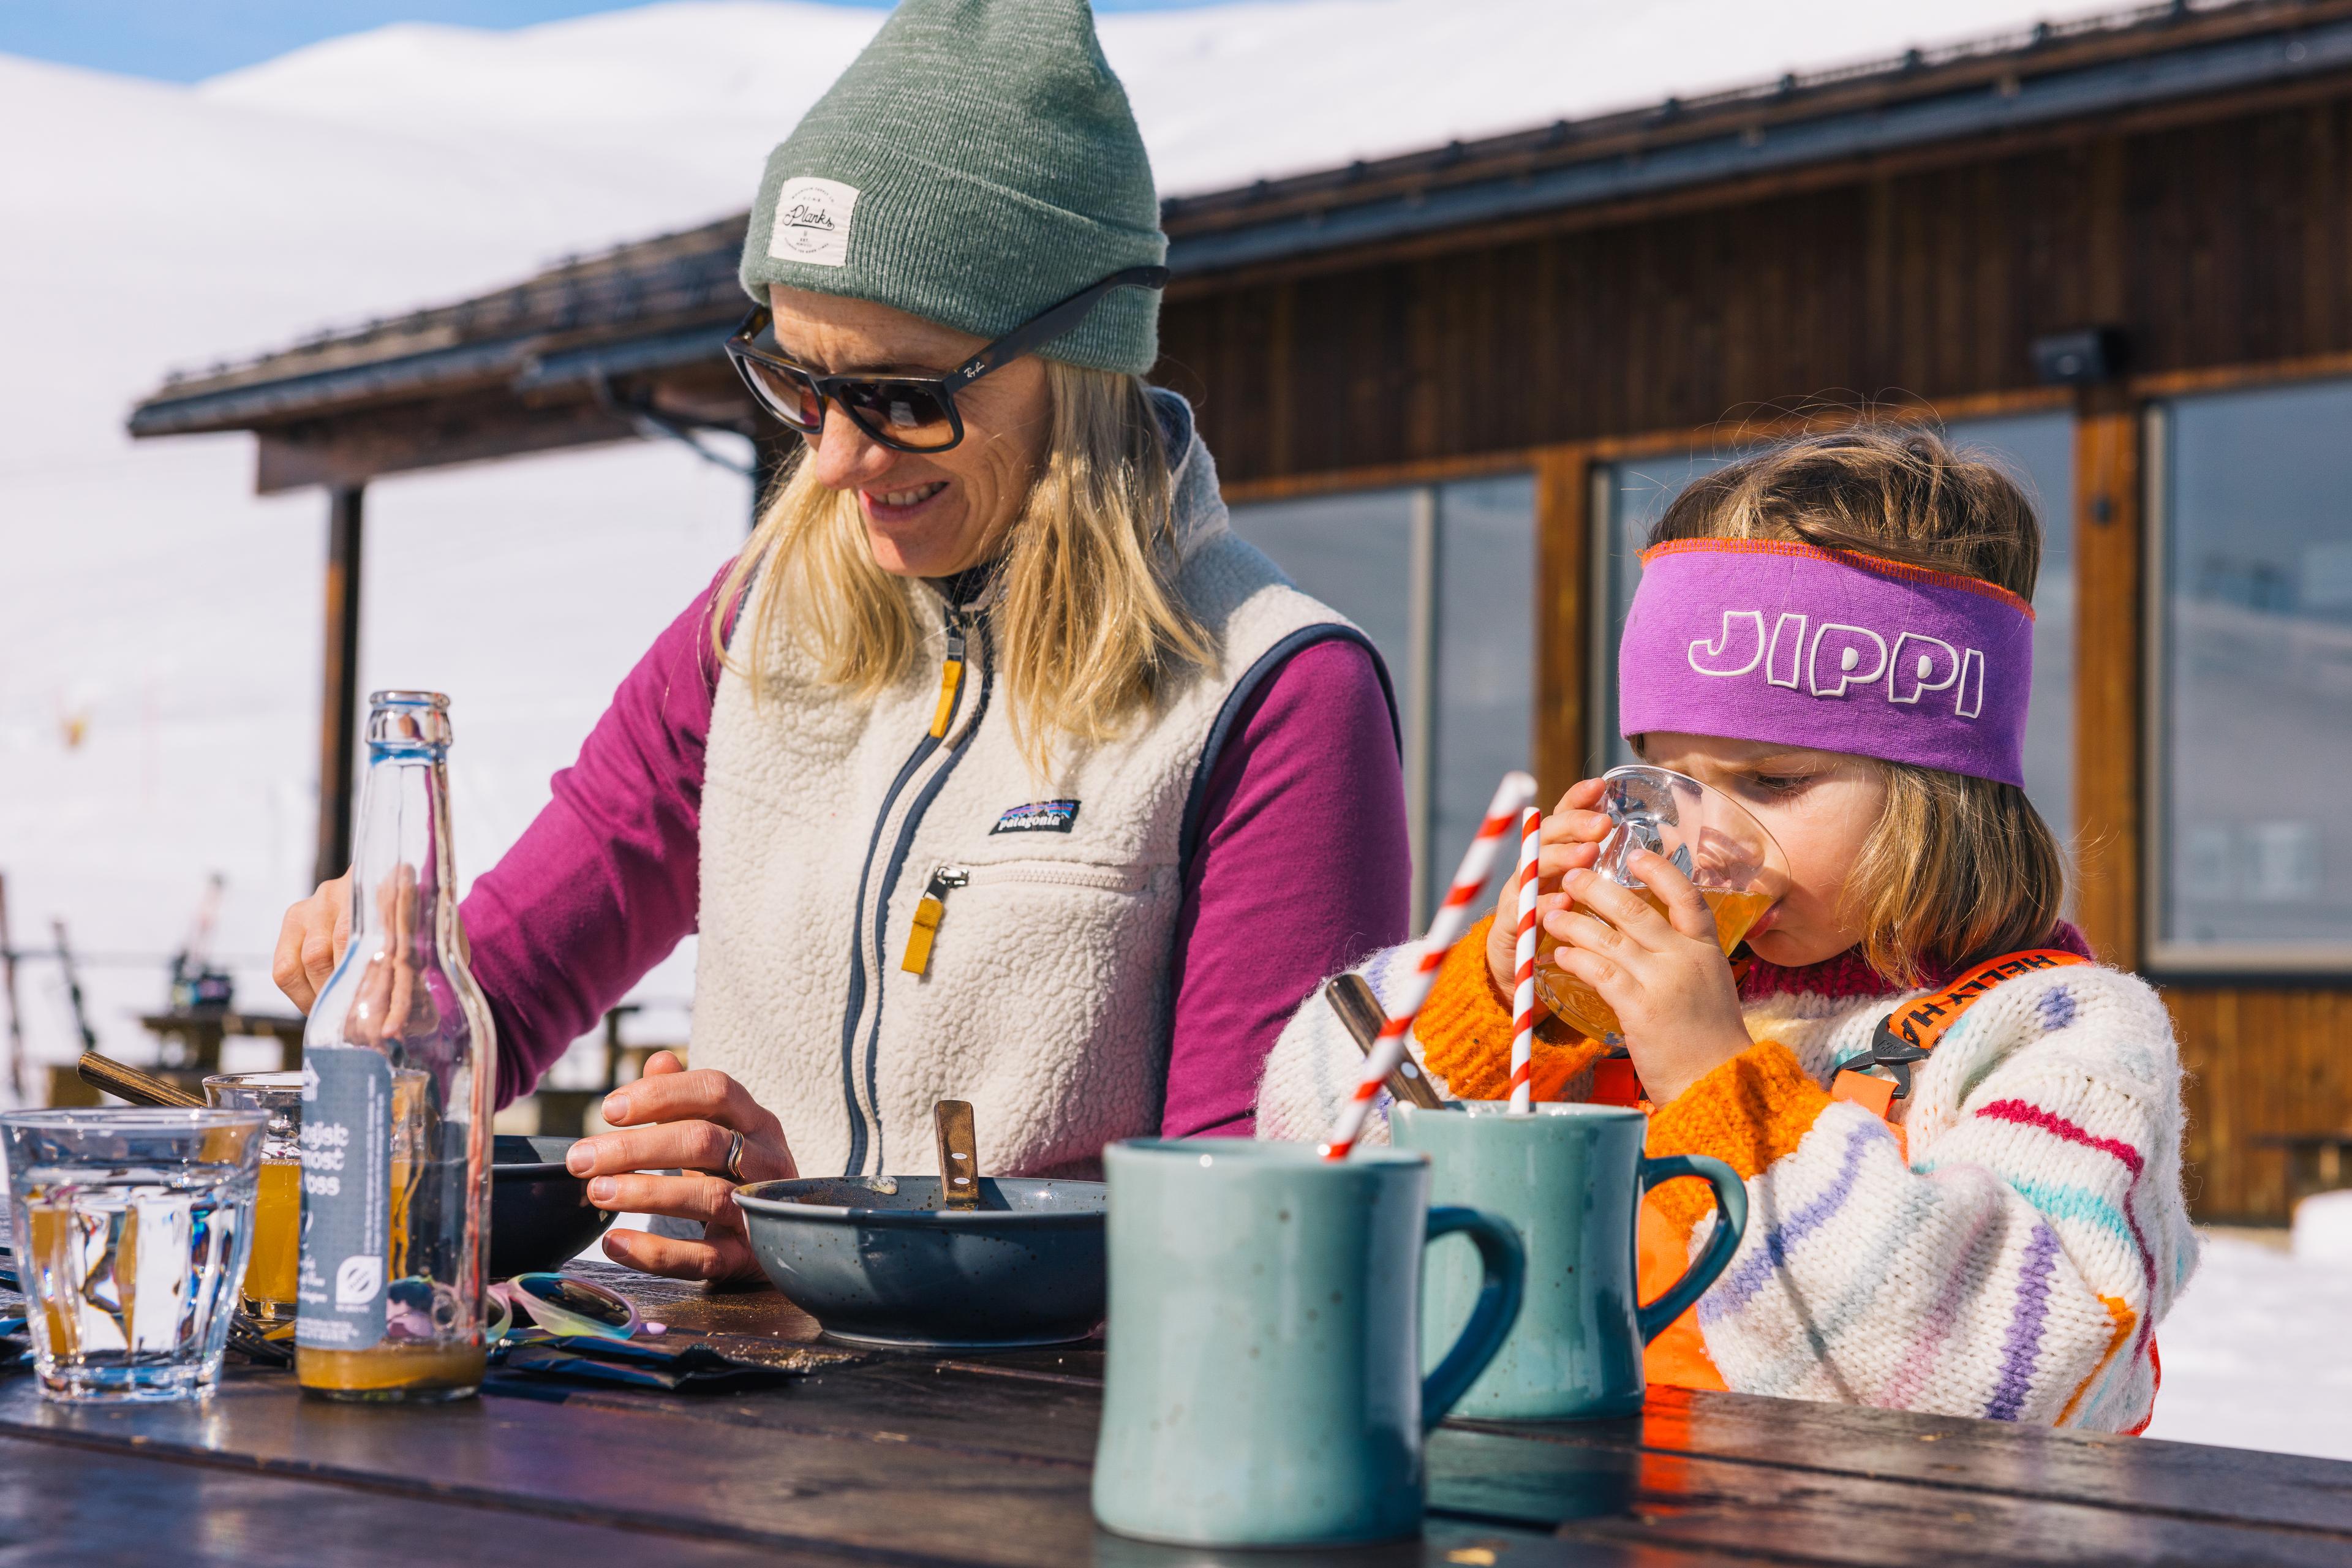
(1957, 869)
(1087, 628)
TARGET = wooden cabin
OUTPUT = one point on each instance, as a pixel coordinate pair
(1450, 390)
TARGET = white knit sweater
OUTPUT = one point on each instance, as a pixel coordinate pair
(2012, 1262)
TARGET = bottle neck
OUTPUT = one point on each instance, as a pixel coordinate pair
(402, 883)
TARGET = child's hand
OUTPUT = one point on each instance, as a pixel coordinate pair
(1664, 976)
(1568, 839)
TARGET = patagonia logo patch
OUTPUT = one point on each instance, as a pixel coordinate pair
(813, 221)
(1038, 817)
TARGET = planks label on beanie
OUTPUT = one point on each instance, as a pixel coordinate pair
(811, 223)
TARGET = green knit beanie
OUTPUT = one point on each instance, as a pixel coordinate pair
(977, 164)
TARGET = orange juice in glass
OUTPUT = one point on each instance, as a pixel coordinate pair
(277, 1212)
(1713, 840)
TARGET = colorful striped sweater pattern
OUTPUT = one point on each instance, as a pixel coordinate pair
(2008, 1254)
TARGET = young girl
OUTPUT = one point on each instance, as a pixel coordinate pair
(1835, 633)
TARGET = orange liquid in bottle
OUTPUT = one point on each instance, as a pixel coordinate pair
(405, 1371)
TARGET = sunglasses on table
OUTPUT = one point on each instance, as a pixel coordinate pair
(910, 413)
(561, 1304)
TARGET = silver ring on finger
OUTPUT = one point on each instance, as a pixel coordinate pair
(735, 1159)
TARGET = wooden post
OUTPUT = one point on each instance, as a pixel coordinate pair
(2110, 643)
(1564, 608)
(340, 715)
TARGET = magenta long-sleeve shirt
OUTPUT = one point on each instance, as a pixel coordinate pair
(1301, 869)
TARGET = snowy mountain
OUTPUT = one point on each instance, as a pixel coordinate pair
(151, 605)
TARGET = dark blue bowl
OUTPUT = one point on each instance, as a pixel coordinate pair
(876, 1267)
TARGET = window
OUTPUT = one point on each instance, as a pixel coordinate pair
(2252, 566)
(1442, 579)
(2038, 450)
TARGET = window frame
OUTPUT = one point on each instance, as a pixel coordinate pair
(2170, 958)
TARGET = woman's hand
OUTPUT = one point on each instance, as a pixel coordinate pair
(1569, 840)
(1664, 976)
(674, 1119)
(311, 942)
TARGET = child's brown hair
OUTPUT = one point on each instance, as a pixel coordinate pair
(1958, 869)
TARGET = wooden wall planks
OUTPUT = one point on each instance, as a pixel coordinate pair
(2226, 243)
(2223, 247)
(2261, 1060)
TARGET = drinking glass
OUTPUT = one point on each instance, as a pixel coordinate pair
(1711, 839)
(132, 1229)
(277, 1213)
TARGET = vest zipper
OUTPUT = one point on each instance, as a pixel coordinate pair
(945, 879)
(860, 1092)
(928, 915)
(950, 678)
(852, 1100)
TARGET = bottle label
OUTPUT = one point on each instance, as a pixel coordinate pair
(346, 1198)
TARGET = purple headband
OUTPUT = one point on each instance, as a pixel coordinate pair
(1760, 640)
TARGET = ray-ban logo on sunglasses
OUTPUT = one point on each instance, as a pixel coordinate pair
(813, 221)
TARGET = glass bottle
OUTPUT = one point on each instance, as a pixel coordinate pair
(399, 1064)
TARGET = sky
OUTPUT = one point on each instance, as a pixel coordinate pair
(188, 40)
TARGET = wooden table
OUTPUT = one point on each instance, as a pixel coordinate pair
(916, 1460)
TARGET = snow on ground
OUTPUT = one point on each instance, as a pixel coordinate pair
(2258, 1353)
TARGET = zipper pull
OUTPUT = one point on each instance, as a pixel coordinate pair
(928, 913)
(951, 677)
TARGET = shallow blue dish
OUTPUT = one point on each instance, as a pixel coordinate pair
(876, 1266)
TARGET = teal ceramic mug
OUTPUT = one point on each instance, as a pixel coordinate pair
(1569, 1178)
(1263, 1384)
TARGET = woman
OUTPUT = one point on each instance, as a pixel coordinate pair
(994, 766)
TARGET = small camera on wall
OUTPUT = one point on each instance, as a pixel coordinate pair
(2084, 357)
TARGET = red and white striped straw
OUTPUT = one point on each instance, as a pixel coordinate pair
(1522, 997)
(1454, 916)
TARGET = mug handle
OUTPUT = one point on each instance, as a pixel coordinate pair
(1731, 1223)
(1505, 1265)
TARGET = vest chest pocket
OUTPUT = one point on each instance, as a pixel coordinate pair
(930, 911)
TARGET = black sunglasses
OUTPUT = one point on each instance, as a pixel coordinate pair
(913, 414)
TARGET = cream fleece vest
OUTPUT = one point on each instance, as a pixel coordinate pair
(1046, 999)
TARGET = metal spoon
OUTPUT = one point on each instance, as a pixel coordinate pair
(1351, 997)
(959, 1154)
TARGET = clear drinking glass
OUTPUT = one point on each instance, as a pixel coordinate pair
(277, 1213)
(132, 1229)
(1715, 841)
